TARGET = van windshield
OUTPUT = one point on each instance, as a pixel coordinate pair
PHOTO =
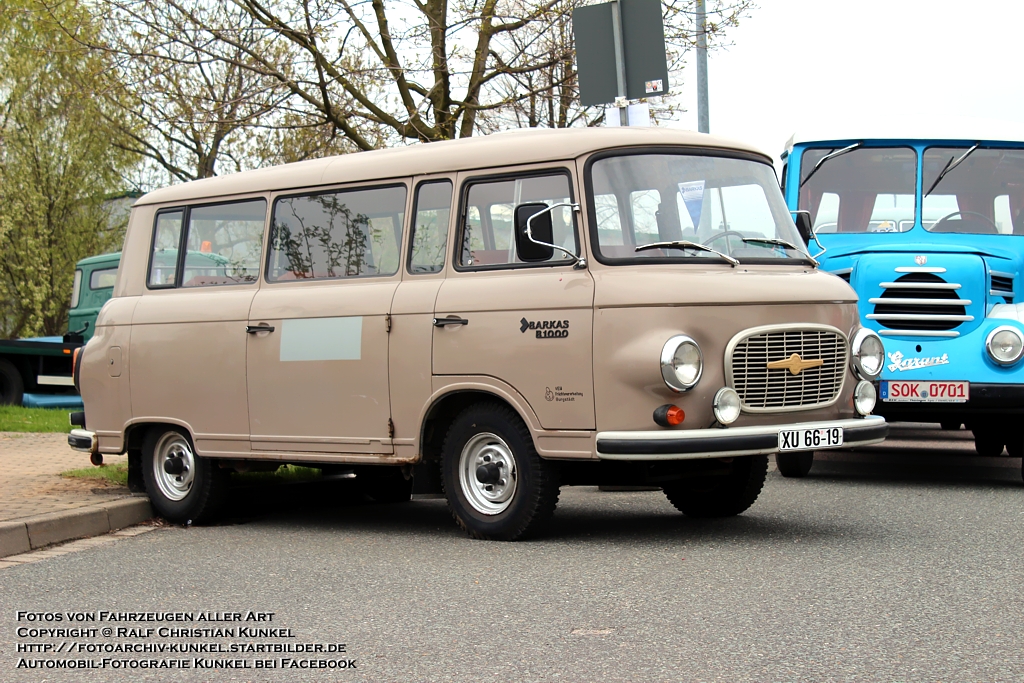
(869, 189)
(683, 202)
(973, 190)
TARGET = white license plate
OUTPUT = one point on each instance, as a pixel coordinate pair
(924, 392)
(809, 439)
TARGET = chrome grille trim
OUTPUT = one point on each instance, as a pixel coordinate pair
(918, 333)
(919, 285)
(774, 391)
(917, 302)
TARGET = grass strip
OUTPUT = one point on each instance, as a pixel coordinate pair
(18, 419)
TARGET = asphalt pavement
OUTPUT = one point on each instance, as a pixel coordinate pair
(900, 563)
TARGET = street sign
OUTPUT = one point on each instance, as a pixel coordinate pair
(641, 36)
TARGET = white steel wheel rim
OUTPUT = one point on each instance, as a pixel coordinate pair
(488, 497)
(171, 446)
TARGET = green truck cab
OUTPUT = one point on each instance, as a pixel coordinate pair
(94, 285)
(36, 372)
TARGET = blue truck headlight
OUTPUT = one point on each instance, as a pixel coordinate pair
(867, 354)
(1005, 345)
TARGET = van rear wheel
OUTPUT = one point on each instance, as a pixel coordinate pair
(721, 496)
(794, 465)
(182, 486)
(497, 487)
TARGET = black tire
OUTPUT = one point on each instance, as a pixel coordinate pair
(12, 386)
(794, 465)
(388, 485)
(721, 496)
(950, 425)
(493, 433)
(203, 497)
(989, 444)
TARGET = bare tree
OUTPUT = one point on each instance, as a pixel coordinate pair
(548, 95)
(232, 84)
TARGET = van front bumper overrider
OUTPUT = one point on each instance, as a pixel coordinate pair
(83, 440)
(693, 444)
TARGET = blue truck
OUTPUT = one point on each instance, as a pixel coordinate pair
(930, 233)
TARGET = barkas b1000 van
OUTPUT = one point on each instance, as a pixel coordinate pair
(490, 318)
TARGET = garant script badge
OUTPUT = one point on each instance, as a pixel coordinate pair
(795, 364)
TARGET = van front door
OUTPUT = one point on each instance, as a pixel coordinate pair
(529, 325)
(317, 358)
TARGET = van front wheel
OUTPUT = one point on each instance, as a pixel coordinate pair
(182, 486)
(721, 496)
(497, 487)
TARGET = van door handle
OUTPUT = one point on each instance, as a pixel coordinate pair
(253, 329)
(450, 320)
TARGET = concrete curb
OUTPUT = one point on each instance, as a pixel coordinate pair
(24, 535)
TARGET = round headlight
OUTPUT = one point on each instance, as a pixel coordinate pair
(864, 397)
(727, 405)
(681, 363)
(1005, 345)
(867, 353)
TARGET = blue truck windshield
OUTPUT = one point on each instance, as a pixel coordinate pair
(868, 189)
(973, 190)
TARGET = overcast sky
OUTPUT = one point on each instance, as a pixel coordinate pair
(795, 62)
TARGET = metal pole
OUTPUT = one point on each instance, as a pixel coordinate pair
(620, 64)
(703, 123)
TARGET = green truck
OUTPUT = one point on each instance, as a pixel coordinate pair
(36, 372)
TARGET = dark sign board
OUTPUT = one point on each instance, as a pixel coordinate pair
(643, 47)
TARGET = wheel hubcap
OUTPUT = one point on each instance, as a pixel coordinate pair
(488, 474)
(173, 466)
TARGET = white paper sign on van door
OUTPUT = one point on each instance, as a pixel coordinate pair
(693, 198)
(322, 339)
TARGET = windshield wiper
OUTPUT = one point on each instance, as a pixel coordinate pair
(950, 165)
(781, 243)
(686, 244)
(831, 155)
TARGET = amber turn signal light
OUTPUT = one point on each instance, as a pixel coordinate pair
(669, 415)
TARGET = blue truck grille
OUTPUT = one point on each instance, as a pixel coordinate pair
(918, 304)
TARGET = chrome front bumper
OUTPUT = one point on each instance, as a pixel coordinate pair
(694, 444)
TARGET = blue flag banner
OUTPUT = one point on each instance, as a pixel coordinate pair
(693, 197)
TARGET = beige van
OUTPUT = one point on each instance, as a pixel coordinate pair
(490, 318)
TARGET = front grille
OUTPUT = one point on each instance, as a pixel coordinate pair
(920, 302)
(764, 390)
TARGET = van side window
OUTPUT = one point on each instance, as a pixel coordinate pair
(224, 243)
(351, 233)
(430, 227)
(163, 261)
(487, 231)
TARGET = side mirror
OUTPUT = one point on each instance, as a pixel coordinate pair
(531, 233)
(804, 227)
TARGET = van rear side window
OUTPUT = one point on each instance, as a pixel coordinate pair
(224, 243)
(351, 233)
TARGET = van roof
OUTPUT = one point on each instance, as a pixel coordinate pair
(508, 148)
